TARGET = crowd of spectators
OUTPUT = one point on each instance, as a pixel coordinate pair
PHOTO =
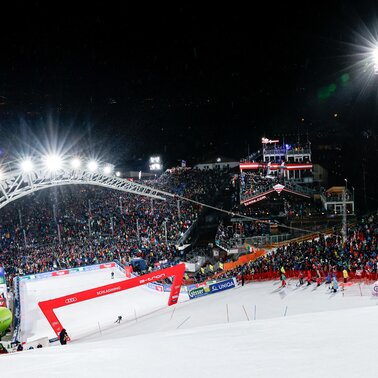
(234, 234)
(252, 184)
(358, 253)
(70, 226)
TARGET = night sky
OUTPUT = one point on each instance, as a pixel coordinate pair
(188, 81)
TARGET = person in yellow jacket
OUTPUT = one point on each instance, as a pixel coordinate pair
(345, 275)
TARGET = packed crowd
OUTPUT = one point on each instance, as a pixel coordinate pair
(358, 254)
(71, 226)
(252, 184)
(234, 234)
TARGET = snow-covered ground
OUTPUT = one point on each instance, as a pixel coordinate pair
(235, 333)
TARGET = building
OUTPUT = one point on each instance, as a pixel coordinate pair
(219, 162)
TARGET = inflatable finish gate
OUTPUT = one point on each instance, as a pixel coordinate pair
(48, 307)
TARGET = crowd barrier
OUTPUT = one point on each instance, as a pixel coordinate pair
(272, 275)
(244, 259)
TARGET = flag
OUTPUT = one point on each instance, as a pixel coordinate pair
(282, 270)
(248, 247)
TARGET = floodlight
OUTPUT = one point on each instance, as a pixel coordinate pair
(75, 163)
(118, 173)
(155, 167)
(53, 162)
(26, 165)
(375, 60)
(108, 169)
(92, 165)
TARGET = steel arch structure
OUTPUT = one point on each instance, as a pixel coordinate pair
(16, 183)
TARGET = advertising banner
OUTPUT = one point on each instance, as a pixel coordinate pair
(374, 290)
(107, 265)
(210, 288)
(198, 292)
(223, 285)
(128, 270)
(2, 276)
(60, 273)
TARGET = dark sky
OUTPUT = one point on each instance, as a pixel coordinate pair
(186, 81)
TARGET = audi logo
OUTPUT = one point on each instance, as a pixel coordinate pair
(71, 300)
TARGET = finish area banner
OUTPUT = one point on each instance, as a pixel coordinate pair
(48, 307)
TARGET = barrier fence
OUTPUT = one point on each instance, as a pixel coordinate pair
(272, 275)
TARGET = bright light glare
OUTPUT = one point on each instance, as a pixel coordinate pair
(92, 165)
(108, 169)
(118, 173)
(75, 163)
(53, 162)
(155, 167)
(27, 165)
(375, 60)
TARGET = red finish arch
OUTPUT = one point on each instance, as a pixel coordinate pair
(48, 306)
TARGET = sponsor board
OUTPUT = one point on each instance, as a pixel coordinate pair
(91, 267)
(211, 288)
(196, 293)
(374, 290)
(2, 276)
(60, 273)
(107, 265)
(156, 287)
(223, 285)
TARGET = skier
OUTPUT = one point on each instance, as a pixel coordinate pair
(118, 319)
(112, 275)
(283, 282)
(63, 337)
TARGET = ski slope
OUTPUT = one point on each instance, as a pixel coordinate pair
(85, 317)
(239, 332)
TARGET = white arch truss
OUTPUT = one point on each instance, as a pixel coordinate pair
(15, 183)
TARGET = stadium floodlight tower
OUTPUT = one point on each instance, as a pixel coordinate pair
(156, 163)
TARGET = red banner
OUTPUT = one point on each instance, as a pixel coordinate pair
(107, 265)
(128, 270)
(60, 273)
(48, 307)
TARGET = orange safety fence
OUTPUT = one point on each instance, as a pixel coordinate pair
(244, 259)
